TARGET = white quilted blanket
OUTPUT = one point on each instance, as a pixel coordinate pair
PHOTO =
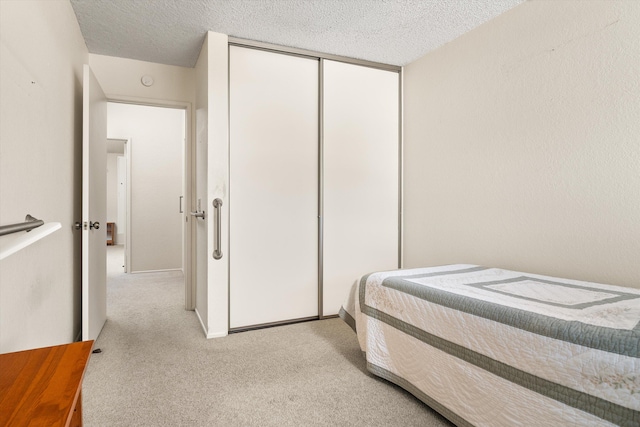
(491, 347)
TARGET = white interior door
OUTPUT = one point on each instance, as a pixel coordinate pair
(361, 135)
(94, 207)
(121, 168)
(273, 187)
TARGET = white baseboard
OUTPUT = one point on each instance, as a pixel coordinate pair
(156, 271)
(217, 334)
(208, 334)
(204, 328)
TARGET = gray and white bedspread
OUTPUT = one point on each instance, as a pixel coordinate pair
(491, 347)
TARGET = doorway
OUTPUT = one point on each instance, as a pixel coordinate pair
(116, 193)
(147, 174)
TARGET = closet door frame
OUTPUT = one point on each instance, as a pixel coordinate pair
(233, 41)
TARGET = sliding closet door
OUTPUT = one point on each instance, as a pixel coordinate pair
(273, 187)
(361, 136)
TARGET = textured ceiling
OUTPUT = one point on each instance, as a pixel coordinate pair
(172, 31)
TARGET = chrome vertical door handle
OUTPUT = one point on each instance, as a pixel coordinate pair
(180, 205)
(217, 239)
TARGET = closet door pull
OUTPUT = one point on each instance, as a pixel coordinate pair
(217, 239)
(180, 204)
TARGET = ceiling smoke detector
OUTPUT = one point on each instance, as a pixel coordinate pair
(147, 80)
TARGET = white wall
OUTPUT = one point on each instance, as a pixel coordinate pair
(521, 144)
(41, 57)
(120, 79)
(201, 149)
(156, 137)
(212, 175)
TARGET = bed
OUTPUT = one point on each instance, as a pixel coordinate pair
(492, 347)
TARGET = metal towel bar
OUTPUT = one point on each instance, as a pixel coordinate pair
(29, 224)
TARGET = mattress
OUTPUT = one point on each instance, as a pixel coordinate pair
(492, 347)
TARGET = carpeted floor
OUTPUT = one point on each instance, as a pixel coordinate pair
(157, 369)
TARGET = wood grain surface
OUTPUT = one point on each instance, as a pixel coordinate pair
(41, 387)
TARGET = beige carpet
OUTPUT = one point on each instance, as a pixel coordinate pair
(157, 369)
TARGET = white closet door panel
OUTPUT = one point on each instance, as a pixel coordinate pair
(273, 187)
(360, 176)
